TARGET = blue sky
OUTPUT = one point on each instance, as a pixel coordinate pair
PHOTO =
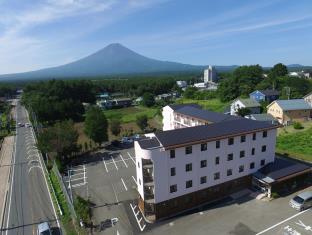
(36, 34)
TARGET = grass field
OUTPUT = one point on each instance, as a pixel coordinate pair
(212, 104)
(129, 114)
(296, 143)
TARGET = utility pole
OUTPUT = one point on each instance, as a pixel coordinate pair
(287, 88)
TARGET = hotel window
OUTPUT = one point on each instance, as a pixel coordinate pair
(241, 168)
(242, 154)
(172, 171)
(138, 164)
(229, 172)
(217, 160)
(203, 147)
(262, 162)
(231, 141)
(254, 136)
(218, 144)
(203, 163)
(188, 150)
(230, 157)
(216, 176)
(253, 151)
(243, 138)
(173, 188)
(264, 134)
(203, 179)
(139, 181)
(263, 149)
(188, 167)
(252, 165)
(189, 184)
(172, 153)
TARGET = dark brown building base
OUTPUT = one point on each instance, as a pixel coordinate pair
(180, 204)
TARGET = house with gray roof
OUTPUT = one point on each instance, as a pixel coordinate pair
(288, 111)
(248, 103)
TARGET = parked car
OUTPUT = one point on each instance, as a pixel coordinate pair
(27, 125)
(126, 140)
(20, 124)
(44, 229)
(302, 201)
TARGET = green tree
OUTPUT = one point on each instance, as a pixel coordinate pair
(95, 125)
(279, 70)
(243, 112)
(189, 92)
(61, 138)
(148, 99)
(115, 127)
(141, 121)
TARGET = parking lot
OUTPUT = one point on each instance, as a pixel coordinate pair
(109, 180)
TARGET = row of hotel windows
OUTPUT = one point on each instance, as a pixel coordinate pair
(188, 150)
(203, 163)
(216, 176)
(203, 147)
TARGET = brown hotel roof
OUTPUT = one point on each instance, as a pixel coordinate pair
(197, 134)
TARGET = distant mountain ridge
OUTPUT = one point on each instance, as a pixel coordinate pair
(114, 60)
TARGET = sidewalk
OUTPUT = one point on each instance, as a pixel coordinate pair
(5, 166)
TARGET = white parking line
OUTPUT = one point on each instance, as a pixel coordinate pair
(134, 180)
(82, 178)
(115, 193)
(275, 225)
(131, 157)
(105, 165)
(138, 221)
(78, 185)
(123, 160)
(114, 162)
(123, 182)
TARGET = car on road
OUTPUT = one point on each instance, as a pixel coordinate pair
(20, 124)
(27, 125)
(44, 229)
(126, 140)
(302, 201)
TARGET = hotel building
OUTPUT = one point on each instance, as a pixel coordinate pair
(201, 156)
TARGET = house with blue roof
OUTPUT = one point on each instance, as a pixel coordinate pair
(288, 111)
(264, 95)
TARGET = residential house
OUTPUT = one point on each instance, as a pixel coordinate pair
(122, 102)
(287, 111)
(250, 104)
(264, 95)
(182, 84)
(263, 117)
(308, 98)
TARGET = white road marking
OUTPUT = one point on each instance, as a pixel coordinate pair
(123, 160)
(134, 180)
(115, 193)
(78, 185)
(77, 174)
(275, 225)
(71, 179)
(123, 182)
(33, 167)
(12, 177)
(138, 221)
(131, 157)
(114, 162)
(105, 165)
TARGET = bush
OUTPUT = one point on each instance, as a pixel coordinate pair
(82, 209)
(275, 195)
(298, 126)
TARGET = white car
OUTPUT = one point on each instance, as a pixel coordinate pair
(44, 229)
(302, 201)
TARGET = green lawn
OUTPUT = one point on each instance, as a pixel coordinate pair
(129, 114)
(212, 104)
(296, 144)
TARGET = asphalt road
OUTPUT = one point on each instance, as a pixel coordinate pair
(28, 202)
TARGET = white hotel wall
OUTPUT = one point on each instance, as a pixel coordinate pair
(163, 163)
(168, 118)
